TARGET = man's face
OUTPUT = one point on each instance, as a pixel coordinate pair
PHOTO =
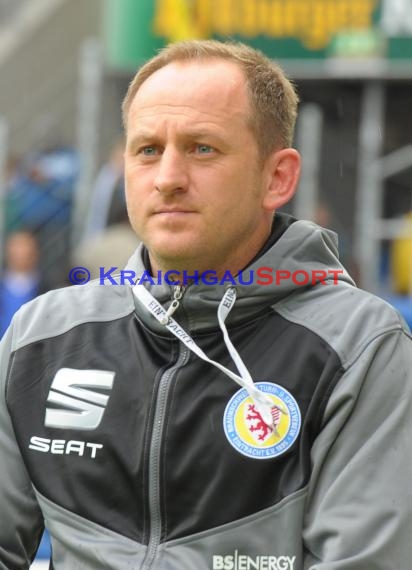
(194, 181)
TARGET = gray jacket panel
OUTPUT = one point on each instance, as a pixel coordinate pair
(21, 521)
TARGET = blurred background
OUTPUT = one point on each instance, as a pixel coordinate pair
(65, 66)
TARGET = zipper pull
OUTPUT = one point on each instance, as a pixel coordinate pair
(177, 295)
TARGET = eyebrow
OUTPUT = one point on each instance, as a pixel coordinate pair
(146, 135)
(141, 136)
(201, 133)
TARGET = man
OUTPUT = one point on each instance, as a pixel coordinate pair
(177, 425)
(21, 279)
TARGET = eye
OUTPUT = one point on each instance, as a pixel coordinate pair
(204, 149)
(148, 151)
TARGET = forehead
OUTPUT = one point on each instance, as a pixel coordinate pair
(212, 86)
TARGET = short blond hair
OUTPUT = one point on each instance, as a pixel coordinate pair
(272, 95)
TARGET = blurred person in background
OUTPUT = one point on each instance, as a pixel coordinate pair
(111, 247)
(107, 200)
(108, 239)
(40, 196)
(20, 280)
(187, 425)
(43, 186)
(324, 217)
(11, 205)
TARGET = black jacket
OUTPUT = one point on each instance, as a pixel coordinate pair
(138, 454)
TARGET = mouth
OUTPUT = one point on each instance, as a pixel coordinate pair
(172, 211)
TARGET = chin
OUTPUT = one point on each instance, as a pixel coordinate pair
(178, 258)
(174, 246)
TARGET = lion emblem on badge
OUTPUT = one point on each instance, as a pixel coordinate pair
(257, 427)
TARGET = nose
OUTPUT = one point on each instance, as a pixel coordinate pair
(172, 175)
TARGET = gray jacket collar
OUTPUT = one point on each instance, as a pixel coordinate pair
(304, 247)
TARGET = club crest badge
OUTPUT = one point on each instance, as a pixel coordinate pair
(249, 434)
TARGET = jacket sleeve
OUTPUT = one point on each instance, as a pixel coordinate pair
(359, 510)
(21, 521)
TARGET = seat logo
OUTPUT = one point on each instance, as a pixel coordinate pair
(75, 405)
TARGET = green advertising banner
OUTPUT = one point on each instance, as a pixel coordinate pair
(283, 29)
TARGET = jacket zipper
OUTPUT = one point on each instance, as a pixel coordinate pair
(178, 291)
(156, 445)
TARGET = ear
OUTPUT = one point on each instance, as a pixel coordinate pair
(283, 170)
